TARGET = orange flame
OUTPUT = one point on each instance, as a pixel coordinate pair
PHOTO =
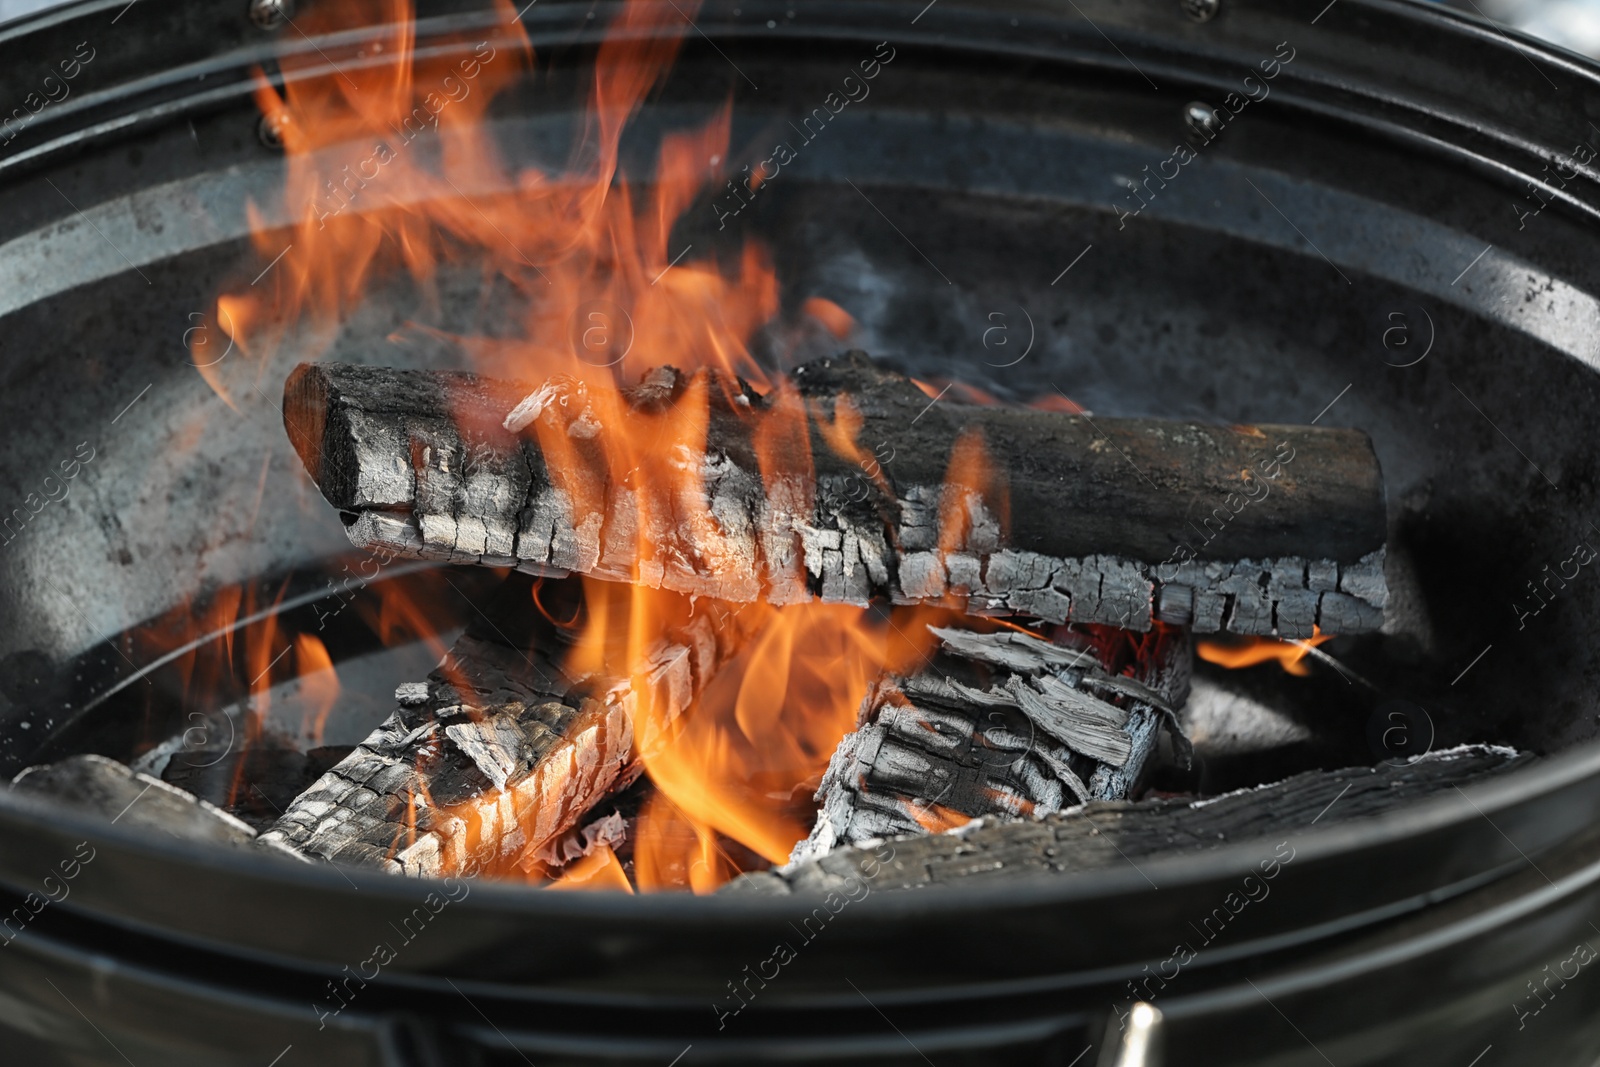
(1057, 402)
(1053, 401)
(1253, 651)
(394, 174)
(935, 818)
(391, 166)
(237, 648)
(972, 486)
(600, 869)
(838, 321)
(319, 684)
(727, 767)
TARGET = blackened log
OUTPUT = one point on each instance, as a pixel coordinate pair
(499, 753)
(1108, 834)
(121, 795)
(1270, 529)
(997, 724)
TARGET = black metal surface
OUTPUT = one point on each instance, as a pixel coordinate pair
(1255, 287)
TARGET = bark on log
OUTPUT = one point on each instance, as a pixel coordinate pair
(1253, 530)
(497, 754)
(1000, 724)
(1100, 835)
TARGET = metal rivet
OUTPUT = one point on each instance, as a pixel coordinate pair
(270, 14)
(1201, 119)
(1201, 10)
(270, 130)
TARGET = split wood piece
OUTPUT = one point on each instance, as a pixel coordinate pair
(1100, 835)
(1002, 724)
(498, 753)
(127, 797)
(1252, 530)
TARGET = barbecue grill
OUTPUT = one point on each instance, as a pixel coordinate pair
(1394, 234)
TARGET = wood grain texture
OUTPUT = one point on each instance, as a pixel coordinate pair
(1107, 834)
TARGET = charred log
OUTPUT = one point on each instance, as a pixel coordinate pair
(1101, 834)
(121, 795)
(1270, 529)
(998, 724)
(498, 754)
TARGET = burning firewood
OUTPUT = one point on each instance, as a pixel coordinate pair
(498, 754)
(1004, 724)
(1100, 835)
(847, 484)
